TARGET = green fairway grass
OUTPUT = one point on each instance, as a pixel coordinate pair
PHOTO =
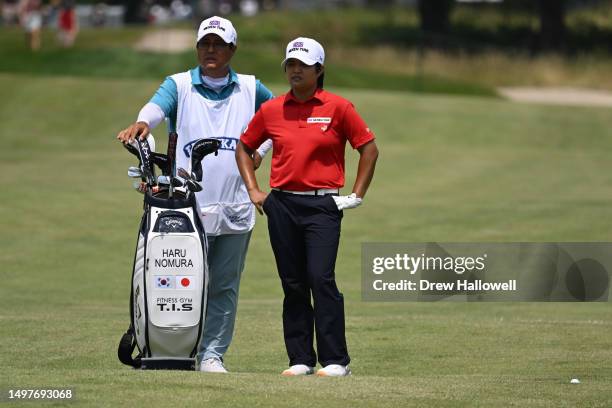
(450, 169)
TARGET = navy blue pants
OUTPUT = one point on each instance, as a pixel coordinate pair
(304, 234)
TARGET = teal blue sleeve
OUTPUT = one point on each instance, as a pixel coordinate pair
(262, 94)
(166, 97)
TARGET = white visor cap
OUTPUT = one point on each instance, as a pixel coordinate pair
(219, 26)
(306, 50)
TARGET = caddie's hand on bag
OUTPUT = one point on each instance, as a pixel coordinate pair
(347, 202)
(138, 129)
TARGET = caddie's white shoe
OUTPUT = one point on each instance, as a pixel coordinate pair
(298, 369)
(334, 370)
(212, 365)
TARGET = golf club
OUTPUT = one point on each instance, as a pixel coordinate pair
(171, 156)
(190, 182)
(165, 180)
(134, 172)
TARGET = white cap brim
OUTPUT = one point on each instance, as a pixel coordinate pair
(224, 36)
(299, 56)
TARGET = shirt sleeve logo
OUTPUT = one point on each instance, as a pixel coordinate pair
(318, 120)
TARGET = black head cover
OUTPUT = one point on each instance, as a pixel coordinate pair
(200, 149)
(161, 160)
(146, 162)
(132, 149)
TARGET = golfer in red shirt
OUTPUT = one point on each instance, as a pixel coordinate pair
(309, 128)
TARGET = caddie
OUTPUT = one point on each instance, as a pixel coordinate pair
(212, 100)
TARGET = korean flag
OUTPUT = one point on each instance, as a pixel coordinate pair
(164, 282)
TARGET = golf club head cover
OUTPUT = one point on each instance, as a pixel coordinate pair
(202, 148)
(132, 149)
(162, 161)
(146, 163)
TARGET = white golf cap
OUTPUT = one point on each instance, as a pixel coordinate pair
(220, 26)
(306, 50)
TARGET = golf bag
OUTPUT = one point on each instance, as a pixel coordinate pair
(169, 283)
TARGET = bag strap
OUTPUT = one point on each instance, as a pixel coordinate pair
(126, 348)
(128, 343)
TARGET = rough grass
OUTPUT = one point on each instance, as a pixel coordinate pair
(109, 54)
(451, 169)
(488, 46)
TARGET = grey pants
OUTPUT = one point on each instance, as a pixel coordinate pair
(226, 256)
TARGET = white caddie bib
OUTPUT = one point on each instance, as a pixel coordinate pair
(224, 202)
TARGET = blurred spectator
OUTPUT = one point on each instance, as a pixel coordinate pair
(205, 8)
(269, 5)
(51, 14)
(30, 17)
(67, 24)
(225, 7)
(158, 14)
(180, 10)
(10, 12)
(98, 15)
(249, 8)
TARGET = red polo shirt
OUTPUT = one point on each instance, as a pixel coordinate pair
(308, 139)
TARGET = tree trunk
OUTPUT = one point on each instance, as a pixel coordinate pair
(435, 15)
(133, 12)
(552, 23)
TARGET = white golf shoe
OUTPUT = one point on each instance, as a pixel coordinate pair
(334, 370)
(298, 369)
(212, 365)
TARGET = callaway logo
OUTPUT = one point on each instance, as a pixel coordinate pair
(227, 143)
(173, 222)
